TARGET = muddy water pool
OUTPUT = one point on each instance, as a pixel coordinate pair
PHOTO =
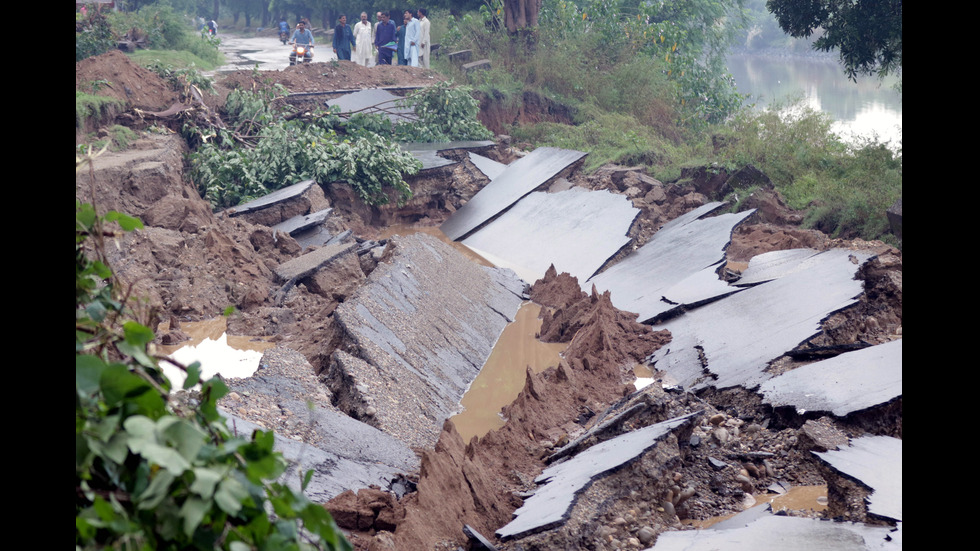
(218, 352)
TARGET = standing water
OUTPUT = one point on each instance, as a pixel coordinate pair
(870, 107)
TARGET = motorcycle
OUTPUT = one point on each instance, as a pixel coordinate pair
(304, 51)
(284, 36)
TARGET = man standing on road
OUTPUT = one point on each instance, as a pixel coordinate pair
(362, 36)
(343, 39)
(413, 37)
(425, 46)
(384, 40)
(303, 36)
(400, 35)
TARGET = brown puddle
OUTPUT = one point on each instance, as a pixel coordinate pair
(404, 230)
(796, 498)
(211, 329)
(502, 377)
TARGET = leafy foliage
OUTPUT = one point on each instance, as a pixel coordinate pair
(268, 148)
(867, 33)
(845, 189)
(148, 476)
(93, 36)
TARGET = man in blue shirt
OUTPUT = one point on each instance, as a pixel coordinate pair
(384, 39)
(343, 39)
(303, 36)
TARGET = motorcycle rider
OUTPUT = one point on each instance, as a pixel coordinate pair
(301, 35)
(283, 27)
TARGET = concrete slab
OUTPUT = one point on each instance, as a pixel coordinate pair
(683, 248)
(490, 168)
(374, 100)
(576, 230)
(778, 533)
(298, 224)
(844, 384)
(421, 329)
(305, 265)
(549, 505)
(278, 196)
(521, 177)
(738, 336)
(876, 462)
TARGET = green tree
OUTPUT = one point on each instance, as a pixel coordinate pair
(867, 33)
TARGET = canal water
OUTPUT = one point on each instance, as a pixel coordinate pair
(863, 109)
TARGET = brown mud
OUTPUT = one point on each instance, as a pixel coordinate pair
(189, 264)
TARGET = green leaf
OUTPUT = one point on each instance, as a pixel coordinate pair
(230, 495)
(205, 481)
(193, 511)
(157, 490)
(88, 372)
(193, 375)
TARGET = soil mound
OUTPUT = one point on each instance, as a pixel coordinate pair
(332, 75)
(114, 75)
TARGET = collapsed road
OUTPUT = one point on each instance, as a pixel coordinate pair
(776, 352)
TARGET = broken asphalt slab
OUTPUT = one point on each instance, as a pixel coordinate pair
(519, 179)
(490, 168)
(576, 230)
(430, 153)
(418, 333)
(550, 504)
(850, 382)
(735, 338)
(876, 463)
(684, 248)
(768, 532)
(304, 266)
(371, 101)
(353, 455)
(299, 224)
(279, 196)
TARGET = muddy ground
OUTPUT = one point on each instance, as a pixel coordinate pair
(190, 264)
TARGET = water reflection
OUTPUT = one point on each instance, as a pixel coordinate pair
(869, 106)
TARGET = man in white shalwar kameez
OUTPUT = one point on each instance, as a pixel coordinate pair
(425, 46)
(413, 36)
(362, 37)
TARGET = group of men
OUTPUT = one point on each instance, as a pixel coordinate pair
(409, 43)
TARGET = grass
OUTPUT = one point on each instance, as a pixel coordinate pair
(88, 107)
(180, 59)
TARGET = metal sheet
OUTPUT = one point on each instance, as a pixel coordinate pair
(876, 462)
(739, 335)
(681, 249)
(549, 505)
(849, 382)
(521, 177)
(576, 230)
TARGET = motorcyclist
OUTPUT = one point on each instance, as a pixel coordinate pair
(301, 35)
(283, 27)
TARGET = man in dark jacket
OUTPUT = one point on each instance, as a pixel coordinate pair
(384, 40)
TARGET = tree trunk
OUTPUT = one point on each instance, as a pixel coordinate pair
(521, 14)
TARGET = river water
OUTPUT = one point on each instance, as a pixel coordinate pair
(860, 110)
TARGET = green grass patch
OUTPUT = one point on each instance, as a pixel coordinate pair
(181, 59)
(89, 107)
